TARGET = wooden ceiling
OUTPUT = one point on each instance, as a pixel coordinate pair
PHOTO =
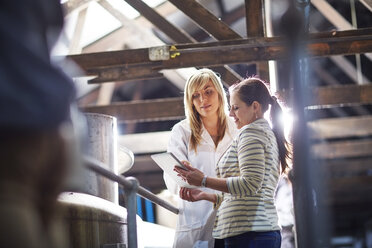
(140, 70)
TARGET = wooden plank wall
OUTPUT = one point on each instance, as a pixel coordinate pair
(342, 146)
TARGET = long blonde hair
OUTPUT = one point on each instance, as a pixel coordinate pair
(194, 83)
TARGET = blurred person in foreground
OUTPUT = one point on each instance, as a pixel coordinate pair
(35, 101)
(201, 138)
(248, 173)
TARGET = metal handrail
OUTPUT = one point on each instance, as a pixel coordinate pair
(131, 188)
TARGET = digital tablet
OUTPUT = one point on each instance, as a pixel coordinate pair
(167, 161)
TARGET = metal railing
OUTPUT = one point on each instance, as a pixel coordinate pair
(132, 188)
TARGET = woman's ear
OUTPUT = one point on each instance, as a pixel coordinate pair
(256, 108)
(255, 105)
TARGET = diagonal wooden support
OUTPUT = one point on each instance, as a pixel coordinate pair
(205, 19)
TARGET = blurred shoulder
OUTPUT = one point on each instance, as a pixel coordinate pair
(182, 126)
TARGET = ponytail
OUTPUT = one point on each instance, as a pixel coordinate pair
(278, 129)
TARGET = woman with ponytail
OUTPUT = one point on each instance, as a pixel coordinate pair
(248, 173)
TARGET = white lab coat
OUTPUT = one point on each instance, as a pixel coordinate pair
(196, 219)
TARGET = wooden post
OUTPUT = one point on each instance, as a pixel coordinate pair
(255, 25)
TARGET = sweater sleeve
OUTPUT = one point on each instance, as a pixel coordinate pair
(219, 200)
(251, 161)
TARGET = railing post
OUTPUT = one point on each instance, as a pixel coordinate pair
(131, 201)
(131, 189)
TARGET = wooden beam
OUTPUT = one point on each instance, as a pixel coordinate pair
(367, 3)
(75, 47)
(72, 5)
(323, 73)
(205, 19)
(137, 36)
(173, 109)
(229, 18)
(144, 110)
(331, 14)
(255, 21)
(223, 52)
(228, 75)
(361, 210)
(89, 98)
(255, 25)
(345, 167)
(269, 32)
(214, 26)
(350, 70)
(361, 94)
(122, 74)
(341, 127)
(324, 129)
(351, 184)
(105, 93)
(137, 56)
(137, 95)
(345, 196)
(233, 15)
(342, 149)
(346, 66)
(334, 17)
(342, 24)
(337, 111)
(176, 34)
(132, 30)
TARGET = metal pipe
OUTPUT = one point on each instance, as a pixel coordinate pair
(95, 165)
(130, 195)
(153, 198)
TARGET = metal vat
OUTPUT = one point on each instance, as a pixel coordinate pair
(93, 222)
(101, 144)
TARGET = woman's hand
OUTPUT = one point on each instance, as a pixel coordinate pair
(196, 195)
(191, 194)
(192, 175)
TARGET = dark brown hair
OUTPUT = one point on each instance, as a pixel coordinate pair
(254, 89)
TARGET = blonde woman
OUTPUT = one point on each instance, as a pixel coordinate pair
(201, 138)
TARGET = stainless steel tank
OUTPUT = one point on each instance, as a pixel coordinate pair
(91, 210)
(101, 144)
(93, 222)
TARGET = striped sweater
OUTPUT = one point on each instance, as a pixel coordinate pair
(251, 167)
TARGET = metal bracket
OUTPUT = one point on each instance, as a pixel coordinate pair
(159, 53)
